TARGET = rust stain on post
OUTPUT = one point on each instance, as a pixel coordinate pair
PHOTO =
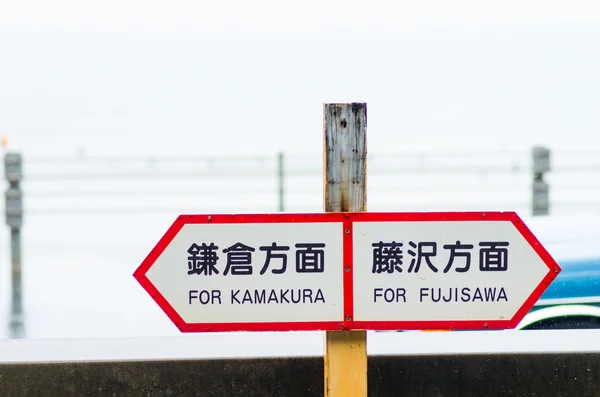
(345, 190)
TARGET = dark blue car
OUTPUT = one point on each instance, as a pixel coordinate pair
(573, 299)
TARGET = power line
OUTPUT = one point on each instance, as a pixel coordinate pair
(482, 187)
(413, 154)
(291, 172)
(68, 160)
(262, 169)
(447, 206)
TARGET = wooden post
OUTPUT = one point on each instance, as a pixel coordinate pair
(345, 190)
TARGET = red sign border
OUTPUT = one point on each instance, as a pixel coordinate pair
(451, 325)
(347, 219)
(180, 221)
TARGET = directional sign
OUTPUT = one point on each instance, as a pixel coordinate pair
(446, 270)
(378, 271)
(249, 272)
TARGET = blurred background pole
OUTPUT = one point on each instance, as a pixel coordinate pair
(280, 174)
(541, 197)
(13, 171)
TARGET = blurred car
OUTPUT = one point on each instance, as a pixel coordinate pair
(572, 301)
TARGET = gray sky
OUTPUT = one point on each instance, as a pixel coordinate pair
(189, 77)
(273, 15)
(132, 77)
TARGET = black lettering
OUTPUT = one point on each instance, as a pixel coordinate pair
(490, 294)
(259, 297)
(387, 257)
(453, 294)
(273, 296)
(492, 258)
(423, 293)
(502, 294)
(203, 259)
(307, 294)
(216, 295)
(466, 295)
(204, 297)
(262, 296)
(389, 297)
(319, 296)
(283, 296)
(271, 255)
(239, 259)
(449, 297)
(234, 296)
(458, 250)
(192, 297)
(247, 297)
(299, 297)
(439, 290)
(400, 293)
(425, 250)
(375, 295)
(310, 260)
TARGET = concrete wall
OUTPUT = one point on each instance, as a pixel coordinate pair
(547, 375)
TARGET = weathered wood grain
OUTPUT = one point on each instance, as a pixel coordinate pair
(345, 190)
(345, 153)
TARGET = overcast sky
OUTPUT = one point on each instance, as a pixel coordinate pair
(275, 15)
(214, 77)
(147, 77)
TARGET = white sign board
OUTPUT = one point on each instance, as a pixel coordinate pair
(333, 271)
(241, 275)
(433, 272)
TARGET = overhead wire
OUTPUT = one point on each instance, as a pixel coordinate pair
(261, 169)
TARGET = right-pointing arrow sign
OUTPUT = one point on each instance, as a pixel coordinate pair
(459, 270)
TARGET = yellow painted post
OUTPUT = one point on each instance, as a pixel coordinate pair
(345, 156)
